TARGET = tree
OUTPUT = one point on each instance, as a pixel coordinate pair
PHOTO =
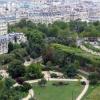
(36, 42)
(70, 70)
(16, 69)
(93, 78)
(22, 23)
(34, 71)
(42, 82)
(10, 47)
(34, 55)
(47, 54)
(1, 85)
(8, 83)
(26, 87)
(30, 24)
(16, 46)
(20, 54)
(43, 28)
(77, 64)
(6, 58)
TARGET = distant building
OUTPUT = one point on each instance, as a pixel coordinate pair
(16, 38)
(3, 37)
(3, 44)
(3, 28)
(11, 37)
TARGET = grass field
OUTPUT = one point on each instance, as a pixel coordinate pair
(50, 92)
(93, 93)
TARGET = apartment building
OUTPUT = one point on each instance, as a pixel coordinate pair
(16, 37)
(48, 11)
(3, 44)
(11, 37)
(3, 27)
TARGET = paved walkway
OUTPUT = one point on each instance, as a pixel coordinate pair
(48, 78)
(30, 95)
(82, 94)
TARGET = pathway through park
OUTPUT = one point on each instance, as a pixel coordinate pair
(48, 78)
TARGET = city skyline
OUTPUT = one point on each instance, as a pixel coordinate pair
(66, 0)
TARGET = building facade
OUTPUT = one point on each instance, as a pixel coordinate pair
(11, 37)
(3, 37)
(3, 28)
(3, 44)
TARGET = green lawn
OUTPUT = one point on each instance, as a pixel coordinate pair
(93, 93)
(51, 92)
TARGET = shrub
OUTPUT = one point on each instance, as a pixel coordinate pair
(26, 86)
(34, 71)
(83, 83)
(42, 82)
(20, 80)
(60, 83)
(19, 88)
(53, 75)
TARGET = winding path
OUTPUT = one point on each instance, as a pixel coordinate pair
(82, 94)
(48, 78)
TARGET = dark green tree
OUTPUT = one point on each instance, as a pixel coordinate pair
(10, 47)
(16, 69)
(93, 78)
(70, 70)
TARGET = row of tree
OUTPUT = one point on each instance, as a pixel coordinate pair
(57, 28)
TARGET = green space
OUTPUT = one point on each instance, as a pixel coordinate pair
(8, 92)
(63, 92)
(74, 50)
(56, 43)
(61, 53)
(93, 93)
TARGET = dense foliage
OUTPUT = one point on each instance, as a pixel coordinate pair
(63, 55)
(16, 69)
(7, 92)
(34, 71)
(56, 42)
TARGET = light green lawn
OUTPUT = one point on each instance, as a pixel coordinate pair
(93, 93)
(51, 92)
